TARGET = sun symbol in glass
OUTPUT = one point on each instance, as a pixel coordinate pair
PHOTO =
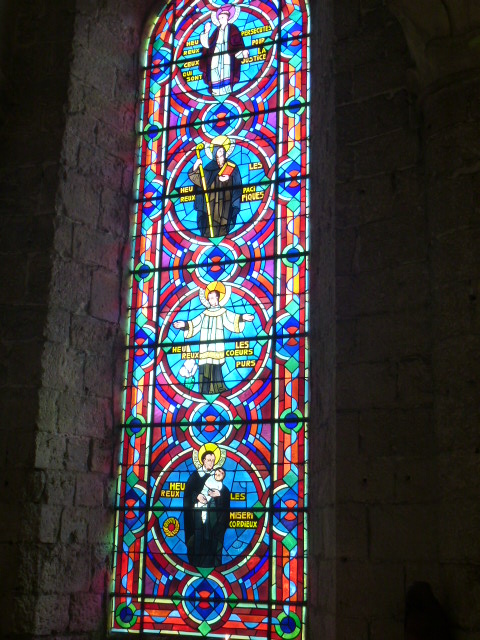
(171, 527)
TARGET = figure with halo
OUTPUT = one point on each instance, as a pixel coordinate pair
(222, 51)
(206, 503)
(211, 325)
(218, 188)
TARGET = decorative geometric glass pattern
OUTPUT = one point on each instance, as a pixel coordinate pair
(211, 522)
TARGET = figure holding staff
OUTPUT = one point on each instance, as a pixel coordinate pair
(218, 189)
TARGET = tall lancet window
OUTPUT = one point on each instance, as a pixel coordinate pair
(211, 529)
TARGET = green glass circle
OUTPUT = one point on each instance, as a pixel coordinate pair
(292, 634)
(134, 428)
(287, 420)
(144, 271)
(125, 615)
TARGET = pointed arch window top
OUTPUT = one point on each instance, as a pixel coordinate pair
(211, 527)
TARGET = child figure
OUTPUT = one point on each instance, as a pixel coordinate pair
(212, 483)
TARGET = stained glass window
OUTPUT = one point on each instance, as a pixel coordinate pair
(211, 528)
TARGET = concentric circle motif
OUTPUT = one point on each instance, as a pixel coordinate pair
(135, 426)
(125, 615)
(293, 255)
(215, 263)
(152, 132)
(222, 119)
(288, 626)
(205, 601)
(171, 527)
(144, 271)
(210, 423)
(291, 421)
(295, 106)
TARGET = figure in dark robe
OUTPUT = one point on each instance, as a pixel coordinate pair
(218, 216)
(222, 51)
(205, 527)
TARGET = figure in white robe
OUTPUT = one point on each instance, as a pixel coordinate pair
(222, 52)
(211, 325)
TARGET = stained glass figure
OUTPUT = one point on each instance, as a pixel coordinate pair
(211, 507)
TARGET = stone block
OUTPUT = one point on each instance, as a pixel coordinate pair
(74, 525)
(50, 451)
(415, 386)
(453, 204)
(102, 456)
(346, 251)
(97, 248)
(51, 614)
(92, 335)
(459, 522)
(403, 532)
(79, 198)
(346, 18)
(385, 76)
(392, 151)
(114, 212)
(348, 628)
(457, 309)
(98, 376)
(372, 117)
(369, 590)
(388, 335)
(60, 487)
(425, 571)
(343, 87)
(387, 628)
(459, 475)
(347, 434)
(70, 286)
(452, 151)
(380, 292)
(366, 385)
(86, 612)
(105, 303)
(77, 453)
(63, 238)
(455, 257)
(49, 518)
(416, 480)
(58, 325)
(457, 423)
(352, 531)
(393, 242)
(462, 588)
(19, 614)
(363, 480)
(83, 415)
(456, 369)
(380, 197)
(63, 368)
(63, 569)
(89, 490)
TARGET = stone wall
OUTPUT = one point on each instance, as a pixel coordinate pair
(407, 317)
(34, 68)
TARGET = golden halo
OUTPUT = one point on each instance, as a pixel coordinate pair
(215, 286)
(211, 448)
(220, 141)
